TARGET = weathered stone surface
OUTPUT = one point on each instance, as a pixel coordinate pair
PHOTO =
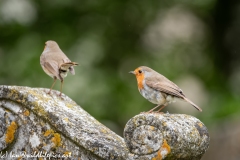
(31, 122)
(166, 136)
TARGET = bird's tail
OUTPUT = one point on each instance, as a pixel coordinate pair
(68, 65)
(194, 105)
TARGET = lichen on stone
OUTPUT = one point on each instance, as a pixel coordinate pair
(56, 139)
(11, 132)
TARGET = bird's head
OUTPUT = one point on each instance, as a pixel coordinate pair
(50, 45)
(141, 73)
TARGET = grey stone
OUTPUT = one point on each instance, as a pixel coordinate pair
(34, 124)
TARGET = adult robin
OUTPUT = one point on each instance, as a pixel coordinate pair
(55, 63)
(158, 89)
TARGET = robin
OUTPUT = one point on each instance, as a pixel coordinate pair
(158, 89)
(55, 63)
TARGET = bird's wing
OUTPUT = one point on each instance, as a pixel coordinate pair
(52, 67)
(162, 84)
(66, 60)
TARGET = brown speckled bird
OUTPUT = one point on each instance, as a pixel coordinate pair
(55, 63)
(158, 89)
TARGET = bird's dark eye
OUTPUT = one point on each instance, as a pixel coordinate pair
(139, 71)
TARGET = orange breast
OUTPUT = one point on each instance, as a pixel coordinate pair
(140, 78)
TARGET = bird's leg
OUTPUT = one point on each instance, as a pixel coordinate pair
(153, 109)
(52, 85)
(61, 87)
(161, 108)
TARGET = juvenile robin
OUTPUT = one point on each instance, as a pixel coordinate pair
(55, 63)
(158, 89)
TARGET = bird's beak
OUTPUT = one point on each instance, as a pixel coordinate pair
(45, 47)
(132, 72)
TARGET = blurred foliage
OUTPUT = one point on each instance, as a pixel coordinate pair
(193, 43)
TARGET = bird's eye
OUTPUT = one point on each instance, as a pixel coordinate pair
(139, 71)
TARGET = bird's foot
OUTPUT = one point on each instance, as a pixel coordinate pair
(49, 92)
(160, 112)
(61, 96)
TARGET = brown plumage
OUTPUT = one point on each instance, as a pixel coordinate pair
(158, 89)
(55, 63)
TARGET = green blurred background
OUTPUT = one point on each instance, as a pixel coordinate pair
(195, 44)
